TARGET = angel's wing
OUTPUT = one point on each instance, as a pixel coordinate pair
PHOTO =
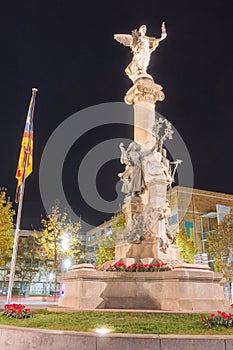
(125, 39)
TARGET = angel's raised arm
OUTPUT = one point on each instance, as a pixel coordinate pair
(163, 32)
(124, 39)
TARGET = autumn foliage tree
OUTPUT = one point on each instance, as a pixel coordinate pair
(27, 261)
(220, 246)
(6, 228)
(107, 244)
(186, 246)
(58, 240)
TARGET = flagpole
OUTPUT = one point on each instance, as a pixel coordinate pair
(19, 212)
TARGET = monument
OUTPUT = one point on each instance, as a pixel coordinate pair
(146, 238)
(148, 172)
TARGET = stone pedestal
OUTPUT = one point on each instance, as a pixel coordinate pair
(132, 208)
(182, 289)
(147, 251)
(157, 193)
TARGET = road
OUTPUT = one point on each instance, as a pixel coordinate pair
(31, 302)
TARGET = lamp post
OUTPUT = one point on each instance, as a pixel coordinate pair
(67, 264)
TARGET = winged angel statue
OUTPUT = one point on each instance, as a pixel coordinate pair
(141, 46)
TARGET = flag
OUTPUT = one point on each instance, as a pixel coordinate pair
(24, 168)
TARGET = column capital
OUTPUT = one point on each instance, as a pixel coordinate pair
(144, 90)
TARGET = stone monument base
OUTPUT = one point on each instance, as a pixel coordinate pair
(146, 251)
(185, 288)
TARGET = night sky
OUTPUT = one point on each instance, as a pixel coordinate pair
(66, 50)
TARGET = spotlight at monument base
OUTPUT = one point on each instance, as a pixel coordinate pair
(102, 330)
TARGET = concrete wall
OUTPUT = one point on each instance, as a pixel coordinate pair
(14, 338)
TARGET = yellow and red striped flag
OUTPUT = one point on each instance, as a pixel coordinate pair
(24, 168)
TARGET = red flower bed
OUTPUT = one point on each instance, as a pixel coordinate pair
(16, 311)
(219, 319)
(120, 266)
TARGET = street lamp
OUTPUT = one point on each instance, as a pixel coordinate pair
(65, 242)
(67, 263)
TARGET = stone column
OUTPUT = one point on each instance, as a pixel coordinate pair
(143, 95)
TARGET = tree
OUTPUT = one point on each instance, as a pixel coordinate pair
(27, 261)
(6, 228)
(106, 251)
(220, 246)
(186, 246)
(107, 244)
(58, 240)
(118, 222)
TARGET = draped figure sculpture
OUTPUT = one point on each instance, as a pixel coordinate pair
(147, 170)
(133, 177)
(141, 46)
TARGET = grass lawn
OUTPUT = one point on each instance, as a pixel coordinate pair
(119, 322)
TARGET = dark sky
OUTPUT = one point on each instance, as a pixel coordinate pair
(66, 50)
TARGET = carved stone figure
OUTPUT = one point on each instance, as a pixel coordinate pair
(150, 225)
(166, 166)
(165, 238)
(133, 177)
(141, 46)
(153, 168)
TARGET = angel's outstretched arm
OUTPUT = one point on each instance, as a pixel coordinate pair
(163, 32)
